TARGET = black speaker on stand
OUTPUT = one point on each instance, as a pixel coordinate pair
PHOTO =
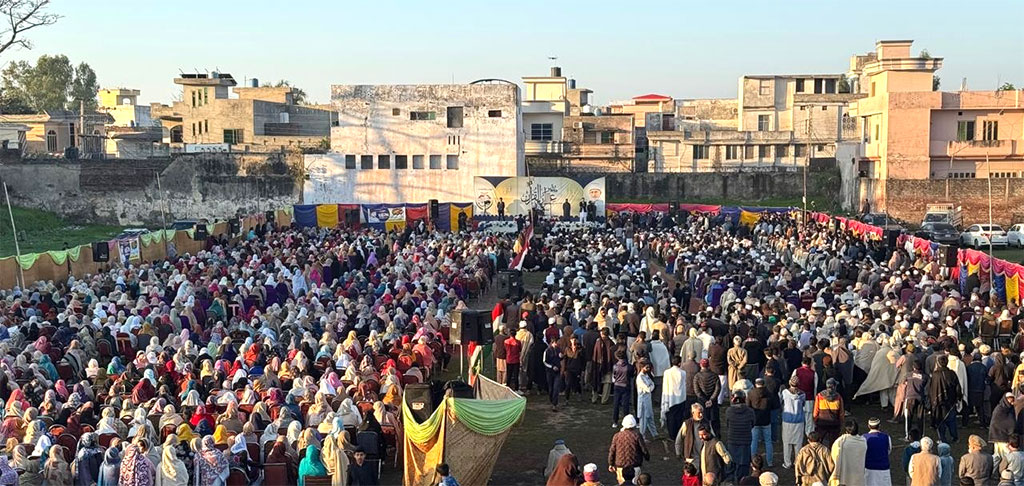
(510, 284)
(890, 237)
(434, 209)
(200, 233)
(235, 227)
(421, 401)
(947, 256)
(100, 251)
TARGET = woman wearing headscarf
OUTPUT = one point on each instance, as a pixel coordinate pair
(110, 470)
(334, 453)
(170, 417)
(211, 464)
(93, 369)
(57, 471)
(239, 458)
(8, 476)
(307, 438)
(136, 467)
(320, 408)
(172, 470)
(31, 467)
(349, 413)
(386, 417)
(115, 367)
(229, 419)
(566, 472)
(279, 454)
(221, 435)
(311, 465)
(109, 424)
(143, 391)
(199, 415)
(294, 431)
(204, 428)
(88, 460)
(36, 430)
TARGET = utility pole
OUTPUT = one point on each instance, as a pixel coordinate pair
(14, 231)
(81, 127)
(806, 163)
(991, 271)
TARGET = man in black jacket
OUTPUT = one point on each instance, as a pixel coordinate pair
(943, 393)
(759, 399)
(706, 388)
(739, 437)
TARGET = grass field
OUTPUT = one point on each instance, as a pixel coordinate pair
(40, 231)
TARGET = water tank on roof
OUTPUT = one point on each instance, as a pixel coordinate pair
(255, 83)
(556, 71)
(572, 84)
(214, 75)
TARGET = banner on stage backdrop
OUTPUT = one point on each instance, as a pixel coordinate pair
(391, 217)
(129, 249)
(521, 194)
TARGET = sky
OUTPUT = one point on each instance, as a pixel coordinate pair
(684, 49)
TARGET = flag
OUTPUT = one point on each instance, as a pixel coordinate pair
(523, 245)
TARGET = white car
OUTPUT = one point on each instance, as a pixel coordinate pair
(1015, 237)
(978, 236)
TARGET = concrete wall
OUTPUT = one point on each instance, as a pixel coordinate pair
(124, 192)
(742, 186)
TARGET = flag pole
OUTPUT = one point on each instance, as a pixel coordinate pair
(17, 248)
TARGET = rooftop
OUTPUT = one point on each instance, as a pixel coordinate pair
(652, 97)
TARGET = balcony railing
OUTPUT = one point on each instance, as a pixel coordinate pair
(534, 147)
(972, 148)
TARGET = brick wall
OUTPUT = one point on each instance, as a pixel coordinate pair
(717, 186)
(908, 198)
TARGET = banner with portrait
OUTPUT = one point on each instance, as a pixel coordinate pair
(549, 194)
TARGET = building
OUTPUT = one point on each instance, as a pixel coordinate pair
(776, 121)
(909, 131)
(53, 132)
(413, 143)
(132, 132)
(563, 134)
(254, 118)
(13, 138)
(660, 109)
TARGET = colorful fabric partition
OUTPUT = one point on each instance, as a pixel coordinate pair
(700, 208)
(349, 215)
(305, 215)
(387, 217)
(327, 215)
(456, 210)
(637, 208)
(748, 218)
(444, 217)
(415, 212)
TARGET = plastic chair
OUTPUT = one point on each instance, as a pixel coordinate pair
(237, 477)
(275, 474)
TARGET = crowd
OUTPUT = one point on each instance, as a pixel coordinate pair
(271, 360)
(745, 338)
(283, 356)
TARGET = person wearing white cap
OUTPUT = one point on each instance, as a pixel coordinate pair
(627, 449)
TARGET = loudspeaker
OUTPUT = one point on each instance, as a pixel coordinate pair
(235, 226)
(673, 207)
(890, 237)
(420, 400)
(486, 331)
(270, 215)
(100, 251)
(510, 284)
(460, 389)
(947, 256)
(201, 233)
(466, 325)
(433, 208)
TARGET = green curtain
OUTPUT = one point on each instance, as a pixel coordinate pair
(168, 234)
(26, 261)
(422, 433)
(488, 417)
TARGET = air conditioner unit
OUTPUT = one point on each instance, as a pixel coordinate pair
(577, 125)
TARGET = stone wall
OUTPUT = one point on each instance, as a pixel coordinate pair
(908, 198)
(125, 192)
(723, 186)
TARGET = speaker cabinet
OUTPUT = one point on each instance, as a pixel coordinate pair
(100, 251)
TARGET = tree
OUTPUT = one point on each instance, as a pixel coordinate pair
(22, 16)
(53, 83)
(298, 94)
(844, 85)
(936, 81)
(1007, 86)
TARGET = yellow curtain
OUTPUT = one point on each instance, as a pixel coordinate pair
(1013, 289)
(748, 218)
(972, 268)
(468, 211)
(327, 215)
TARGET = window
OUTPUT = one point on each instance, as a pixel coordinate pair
(422, 115)
(396, 111)
(540, 131)
(493, 113)
(71, 134)
(830, 86)
(206, 126)
(964, 130)
(799, 86)
(820, 147)
(732, 152)
(700, 152)
(819, 85)
(401, 161)
(233, 136)
(764, 87)
(781, 151)
(454, 117)
(417, 161)
(451, 162)
(206, 95)
(764, 151)
(607, 137)
(748, 152)
(799, 151)
(350, 161)
(383, 161)
(51, 141)
(763, 123)
(824, 107)
(193, 99)
(366, 162)
(990, 130)
(435, 161)
(872, 88)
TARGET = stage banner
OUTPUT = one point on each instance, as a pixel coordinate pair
(549, 194)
